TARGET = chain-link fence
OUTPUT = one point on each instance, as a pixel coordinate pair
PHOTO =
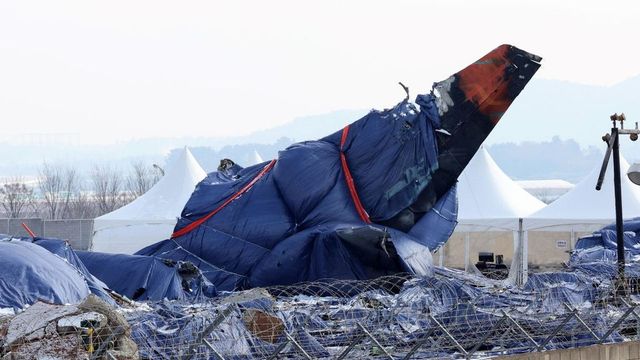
(447, 315)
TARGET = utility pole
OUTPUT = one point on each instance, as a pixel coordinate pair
(613, 145)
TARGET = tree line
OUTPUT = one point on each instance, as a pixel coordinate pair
(61, 192)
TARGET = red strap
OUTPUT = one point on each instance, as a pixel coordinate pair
(29, 231)
(349, 179)
(244, 189)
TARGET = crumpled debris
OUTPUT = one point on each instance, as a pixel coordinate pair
(81, 331)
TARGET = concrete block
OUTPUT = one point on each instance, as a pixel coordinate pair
(634, 350)
(574, 354)
(623, 351)
(614, 352)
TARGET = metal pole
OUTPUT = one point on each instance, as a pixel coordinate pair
(609, 139)
(524, 253)
(516, 261)
(572, 240)
(618, 195)
(467, 258)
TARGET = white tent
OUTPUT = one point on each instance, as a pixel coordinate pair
(488, 198)
(546, 190)
(152, 216)
(488, 201)
(586, 209)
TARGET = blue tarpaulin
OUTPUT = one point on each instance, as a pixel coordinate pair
(62, 249)
(602, 245)
(147, 277)
(325, 325)
(50, 270)
(297, 223)
(30, 273)
(372, 199)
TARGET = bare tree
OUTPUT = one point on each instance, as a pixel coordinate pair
(82, 206)
(141, 179)
(70, 187)
(50, 183)
(107, 188)
(57, 185)
(16, 197)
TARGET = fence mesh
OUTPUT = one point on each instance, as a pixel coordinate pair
(448, 315)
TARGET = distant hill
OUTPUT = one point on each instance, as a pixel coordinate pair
(209, 158)
(524, 143)
(304, 128)
(24, 159)
(548, 108)
(554, 159)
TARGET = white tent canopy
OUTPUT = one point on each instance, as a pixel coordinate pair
(550, 184)
(489, 199)
(546, 190)
(152, 216)
(585, 209)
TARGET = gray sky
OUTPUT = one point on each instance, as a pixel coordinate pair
(115, 70)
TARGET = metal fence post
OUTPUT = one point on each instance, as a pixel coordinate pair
(217, 321)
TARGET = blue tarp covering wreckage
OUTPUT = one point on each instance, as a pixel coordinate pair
(63, 250)
(148, 277)
(324, 325)
(50, 270)
(372, 199)
(29, 273)
(601, 246)
(596, 254)
(463, 303)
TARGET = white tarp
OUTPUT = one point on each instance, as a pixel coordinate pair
(152, 216)
(489, 199)
(585, 209)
